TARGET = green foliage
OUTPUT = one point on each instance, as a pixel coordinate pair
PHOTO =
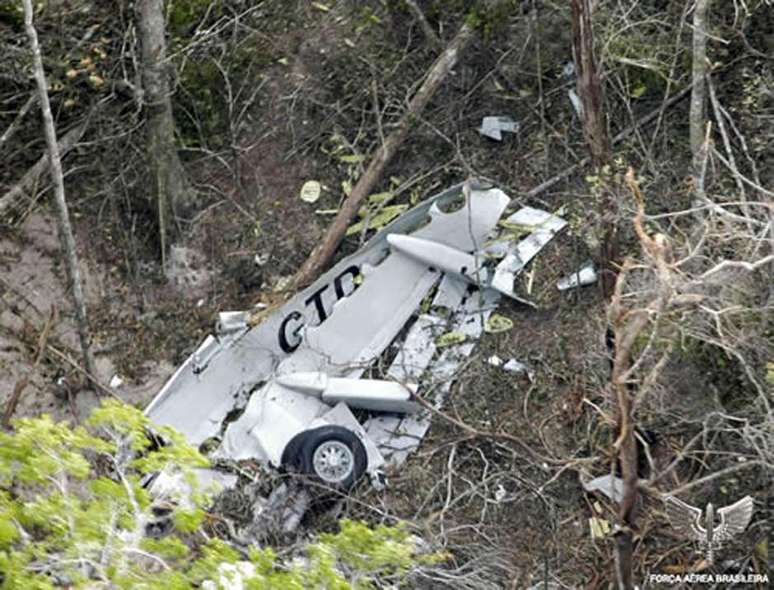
(55, 506)
(183, 15)
(11, 12)
(71, 499)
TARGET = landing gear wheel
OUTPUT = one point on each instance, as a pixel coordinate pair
(334, 455)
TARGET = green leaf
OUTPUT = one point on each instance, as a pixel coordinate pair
(310, 192)
(382, 218)
(352, 158)
(450, 339)
(497, 323)
(187, 521)
(639, 89)
(8, 532)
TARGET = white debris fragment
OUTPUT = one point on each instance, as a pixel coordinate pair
(310, 192)
(609, 485)
(230, 322)
(575, 100)
(544, 226)
(512, 366)
(116, 381)
(586, 275)
(500, 493)
(492, 127)
(495, 361)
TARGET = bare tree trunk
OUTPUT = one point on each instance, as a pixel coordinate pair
(589, 85)
(698, 99)
(63, 217)
(597, 138)
(168, 181)
(322, 254)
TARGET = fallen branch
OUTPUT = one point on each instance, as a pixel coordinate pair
(322, 254)
(9, 133)
(32, 176)
(13, 401)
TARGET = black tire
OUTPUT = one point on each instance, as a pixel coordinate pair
(291, 456)
(335, 444)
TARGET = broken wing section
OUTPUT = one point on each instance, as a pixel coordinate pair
(315, 328)
(357, 331)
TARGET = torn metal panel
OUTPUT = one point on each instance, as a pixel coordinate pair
(417, 350)
(609, 485)
(300, 368)
(398, 436)
(494, 127)
(586, 275)
(224, 371)
(468, 267)
(544, 227)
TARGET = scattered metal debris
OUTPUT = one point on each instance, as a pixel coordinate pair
(512, 366)
(586, 275)
(493, 127)
(297, 375)
(544, 227)
(609, 485)
(575, 100)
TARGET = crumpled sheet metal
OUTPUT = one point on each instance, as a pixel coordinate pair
(586, 275)
(356, 332)
(544, 227)
(609, 485)
(304, 335)
(339, 329)
(493, 127)
(397, 436)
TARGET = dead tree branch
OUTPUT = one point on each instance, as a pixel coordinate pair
(597, 138)
(628, 326)
(13, 401)
(696, 117)
(32, 176)
(323, 253)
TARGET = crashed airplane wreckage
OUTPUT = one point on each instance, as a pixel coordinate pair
(312, 379)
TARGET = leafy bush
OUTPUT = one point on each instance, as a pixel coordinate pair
(74, 512)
